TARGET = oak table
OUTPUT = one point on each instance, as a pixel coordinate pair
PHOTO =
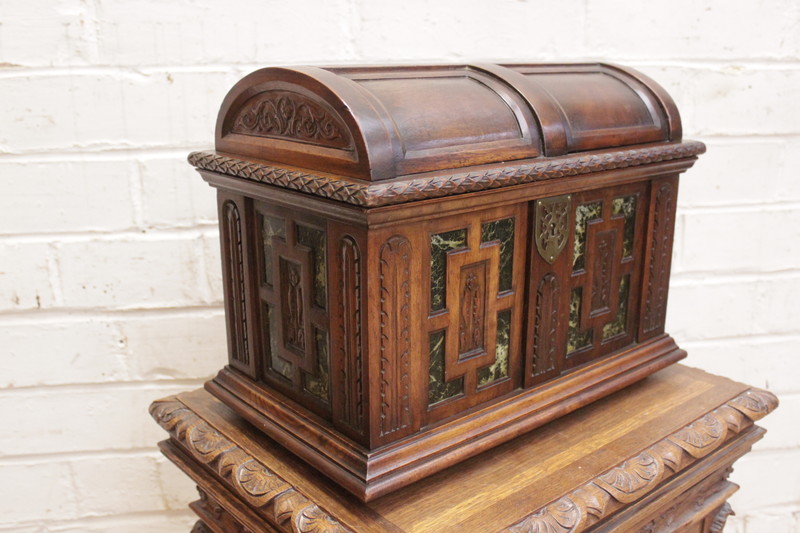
(654, 456)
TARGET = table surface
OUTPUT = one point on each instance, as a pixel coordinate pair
(594, 460)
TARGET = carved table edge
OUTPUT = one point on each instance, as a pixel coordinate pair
(285, 506)
(434, 186)
(639, 475)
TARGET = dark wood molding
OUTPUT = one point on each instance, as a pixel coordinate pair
(412, 188)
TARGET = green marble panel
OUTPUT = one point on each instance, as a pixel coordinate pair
(499, 369)
(319, 384)
(441, 243)
(315, 239)
(577, 339)
(502, 231)
(276, 363)
(438, 389)
(625, 206)
(617, 326)
(271, 228)
(583, 214)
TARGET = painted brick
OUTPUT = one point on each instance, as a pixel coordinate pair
(151, 32)
(39, 33)
(26, 495)
(98, 482)
(178, 490)
(683, 29)
(768, 362)
(455, 31)
(165, 522)
(131, 273)
(735, 173)
(111, 109)
(48, 421)
(45, 196)
(770, 523)
(767, 479)
(25, 276)
(174, 194)
(181, 347)
(746, 240)
(88, 351)
(213, 264)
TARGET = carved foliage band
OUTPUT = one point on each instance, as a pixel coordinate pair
(545, 329)
(409, 190)
(237, 319)
(552, 226)
(287, 509)
(352, 380)
(395, 335)
(290, 115)
(640, 475)
(655, 306)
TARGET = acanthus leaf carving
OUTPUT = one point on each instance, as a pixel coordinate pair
(395, 335)
(546, 325)
(258, 481)
(312, 519)
(633, 479)
(290, 115)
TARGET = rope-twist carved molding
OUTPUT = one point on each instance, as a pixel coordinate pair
(636, 477)
(412, 189)
(287, 508)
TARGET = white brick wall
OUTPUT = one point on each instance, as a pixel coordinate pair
(110, 289)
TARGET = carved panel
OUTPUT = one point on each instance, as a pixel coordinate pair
(473, 309)
(552, 226)
(546, 325)
(293, 292)
(290, 115)
(395, 335)
(235, 281)
(471, 328)
(352, 379)
(602, 271)
(655, 303)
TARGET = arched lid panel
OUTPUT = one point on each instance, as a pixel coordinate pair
(377, 123)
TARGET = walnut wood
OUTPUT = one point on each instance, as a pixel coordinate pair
(652, 457)
(423, 262)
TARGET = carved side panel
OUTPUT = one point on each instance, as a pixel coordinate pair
(659, 257)
(352, 365)
(603, 271)
(293, 288)
(545, 332)
(395, 335)
(473, 309)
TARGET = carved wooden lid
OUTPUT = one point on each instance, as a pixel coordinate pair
(372, 124)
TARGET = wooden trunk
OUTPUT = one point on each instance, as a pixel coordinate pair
(421, 263)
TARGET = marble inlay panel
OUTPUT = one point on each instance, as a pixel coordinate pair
(625, 206)
(584, 213)
(441, 243)
(438, 389)
(617, 326)
(502, 231)
(271, 228)
(318, 384)
(276, 363)
(577, 339)
(499, 369)
(314, 239)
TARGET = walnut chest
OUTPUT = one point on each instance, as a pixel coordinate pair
(421, 263)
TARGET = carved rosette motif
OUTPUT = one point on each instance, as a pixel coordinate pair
(655, 305)
(409, 190)
(285, 507)
(290, 115)
(546, 325)
(395, 335)
(552, 226)
(640, 475)
(352, 358)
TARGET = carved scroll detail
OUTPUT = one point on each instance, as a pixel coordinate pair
(286, 508)
(232, 226)
(395, 335)
(408, 190)
(655, 305)
(640, 475)
(718, 523)
(290, 115)
(546, 325)
(552, 226)
(352, 363)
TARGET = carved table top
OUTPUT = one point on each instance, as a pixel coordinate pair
(575, 474)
